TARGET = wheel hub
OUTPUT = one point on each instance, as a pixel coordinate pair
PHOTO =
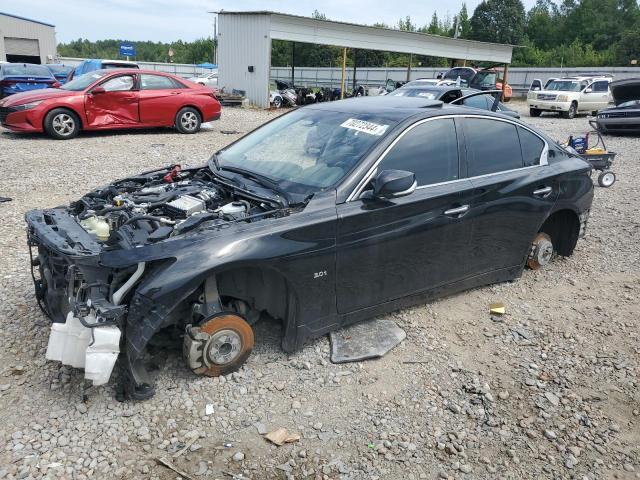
(223, 347)
(541, 251)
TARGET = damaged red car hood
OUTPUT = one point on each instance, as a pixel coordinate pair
(35, 95)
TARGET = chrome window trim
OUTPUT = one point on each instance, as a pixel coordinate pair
(544, 156)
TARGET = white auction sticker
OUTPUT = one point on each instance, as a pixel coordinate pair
(364, 126)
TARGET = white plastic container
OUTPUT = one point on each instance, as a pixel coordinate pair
(68, 342)
(94, 349)
(102, 354)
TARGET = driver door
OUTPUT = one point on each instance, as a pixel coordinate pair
(117, 105)
(388, 249)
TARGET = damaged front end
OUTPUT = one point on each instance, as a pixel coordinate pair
(94, 301)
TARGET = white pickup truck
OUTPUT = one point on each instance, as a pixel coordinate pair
(569, 96)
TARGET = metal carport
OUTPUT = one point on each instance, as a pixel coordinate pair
(244, 45)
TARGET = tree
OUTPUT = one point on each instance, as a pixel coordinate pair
(434, 26)
(498, 21)
(464, 28)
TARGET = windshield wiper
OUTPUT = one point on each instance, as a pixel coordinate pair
(256, 177)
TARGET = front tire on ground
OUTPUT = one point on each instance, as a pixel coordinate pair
(229, 344)
(61, 124)
(571, 113)
(541, 251)
(188, 120)
(534, 112)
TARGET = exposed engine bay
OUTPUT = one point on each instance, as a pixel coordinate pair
(95, 303)
(158, 205)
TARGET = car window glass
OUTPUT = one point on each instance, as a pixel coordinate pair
(479, 101)
(531, 146)
(430, 150)
(119, 84)
(155, 82)
(583, 84)
(492, 146)
(600, 86)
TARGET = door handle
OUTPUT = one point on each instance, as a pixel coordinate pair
(543, 192)
(176, 93)
(457, 212)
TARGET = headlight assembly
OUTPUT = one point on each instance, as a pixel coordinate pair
(27, 106)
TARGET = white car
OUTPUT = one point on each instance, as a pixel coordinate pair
(209, 79)
(569, 96)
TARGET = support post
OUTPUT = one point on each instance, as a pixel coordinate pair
(293, 63)
(409, 67)
(344, 72)
(504, 80)
(355, 62)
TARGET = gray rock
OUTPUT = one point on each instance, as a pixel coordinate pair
(238, 457)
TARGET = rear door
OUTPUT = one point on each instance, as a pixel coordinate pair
(513, 191)
(388, 249)
(160, 99)
(116, 106)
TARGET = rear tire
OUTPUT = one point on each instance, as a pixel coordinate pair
(61, 124)
(534, 112)
(606, 179)
(188, 120)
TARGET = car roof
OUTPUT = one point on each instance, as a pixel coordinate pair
(132, 70)
(396, 108)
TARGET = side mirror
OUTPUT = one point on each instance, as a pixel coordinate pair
(98, 91)
(394, 184)
(588, 90)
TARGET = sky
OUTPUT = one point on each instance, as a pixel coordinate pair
(170, 20)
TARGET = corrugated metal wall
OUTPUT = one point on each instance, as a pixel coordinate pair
(243, 41)
(18, 28)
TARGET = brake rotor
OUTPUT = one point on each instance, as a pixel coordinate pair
(226, 344)
(541, 251)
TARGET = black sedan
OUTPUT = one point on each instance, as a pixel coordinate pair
(468, 97)
(325, 216)
(625, 116)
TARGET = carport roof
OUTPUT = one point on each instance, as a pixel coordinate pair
(26, 19)
(297, 28)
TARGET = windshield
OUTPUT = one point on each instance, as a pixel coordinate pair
(416, 92)
(306, 150)
(485, 79)
(463, 73)
(60, 69)
(26, 70)
(83, 81)
(564, 86)
(630, 103)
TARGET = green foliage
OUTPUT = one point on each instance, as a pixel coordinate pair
(198, 51)
(500, 21)
(553, 32)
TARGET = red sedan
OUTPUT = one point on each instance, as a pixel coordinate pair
(111, 99)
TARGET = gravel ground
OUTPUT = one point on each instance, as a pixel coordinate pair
(549, 390)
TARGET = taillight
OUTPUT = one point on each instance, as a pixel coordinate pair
(7, 83)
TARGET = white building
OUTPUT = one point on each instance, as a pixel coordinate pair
(26, 41)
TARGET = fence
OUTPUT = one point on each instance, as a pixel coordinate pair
(185, 70)
(519, 77)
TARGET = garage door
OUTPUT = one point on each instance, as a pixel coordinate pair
(21, 46)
